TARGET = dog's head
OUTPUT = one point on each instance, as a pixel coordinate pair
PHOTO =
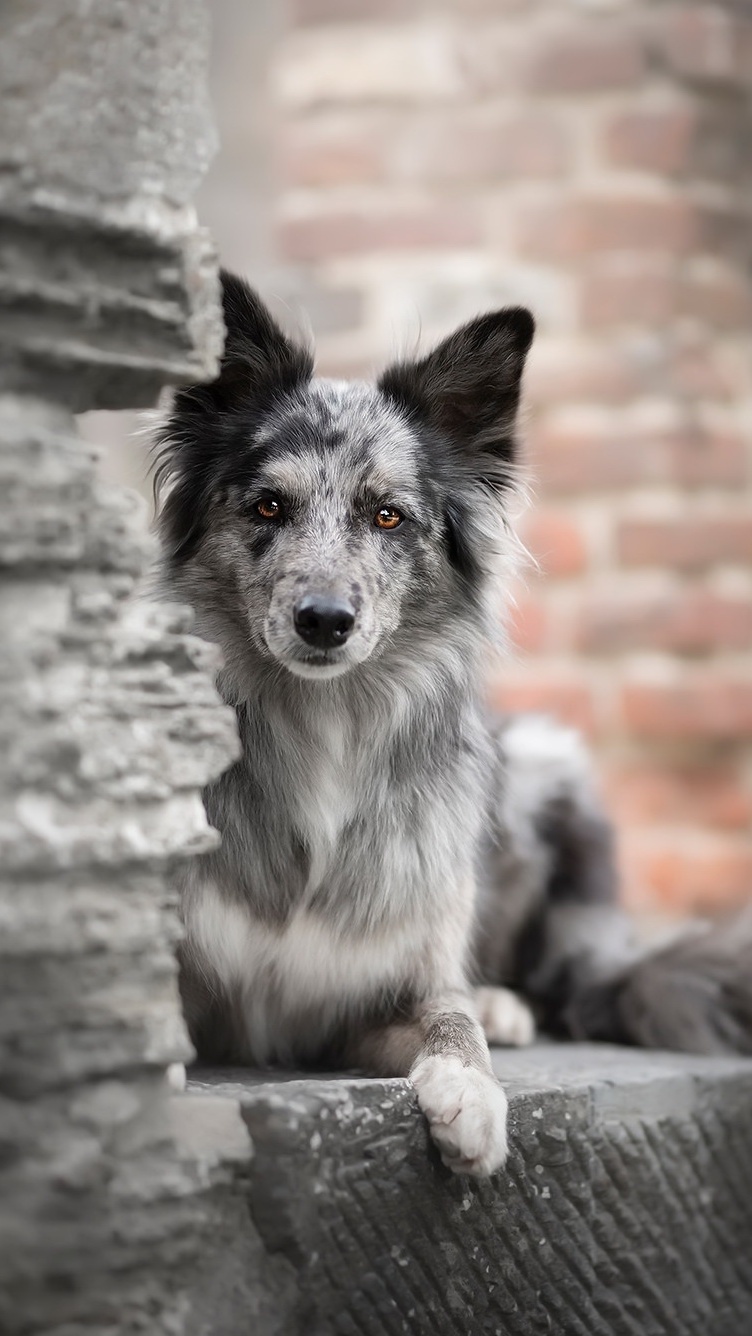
(317, 523)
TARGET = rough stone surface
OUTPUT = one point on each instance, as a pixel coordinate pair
(109, 723)
(108, 290)
(625, 1207)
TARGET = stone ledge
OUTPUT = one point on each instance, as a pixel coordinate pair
(625, 1207)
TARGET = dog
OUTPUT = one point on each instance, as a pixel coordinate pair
(401, 879)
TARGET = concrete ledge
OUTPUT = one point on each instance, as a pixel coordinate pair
(625, 1208)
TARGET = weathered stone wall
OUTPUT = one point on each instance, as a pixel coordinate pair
(109, 723)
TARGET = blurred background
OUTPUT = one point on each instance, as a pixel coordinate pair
(389, 168)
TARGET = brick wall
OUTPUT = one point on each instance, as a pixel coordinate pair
(593, 162)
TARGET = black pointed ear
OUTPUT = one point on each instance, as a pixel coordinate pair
(258, 358)
(259, 363)
(468, 388)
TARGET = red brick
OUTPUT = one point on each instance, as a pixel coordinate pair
(720, 152)
(578, 372)
(685, 544)
(698, 370)
(571, 456)
(570, 229)
(340, 150)
(528, 625)
(689, 621)
(493, 8)
(710, 874)
(656, 140)
(628, 295)
(586, 58)
(570, 702)
(706, 43)
(550, 231)
(477, 145)
(701, 457)
(489, 58)
(721, 298)
(695, 794)
(722, 230)
(649, 224)
(345, 233)
(555, 541)
(572, 459)
(710, 707)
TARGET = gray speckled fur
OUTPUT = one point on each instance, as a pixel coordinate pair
(382, 846)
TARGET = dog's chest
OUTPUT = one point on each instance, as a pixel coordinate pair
(308, 958)
(329, 784)
(294, 984)
(360, 828)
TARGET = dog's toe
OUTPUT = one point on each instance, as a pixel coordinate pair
(505, 1018)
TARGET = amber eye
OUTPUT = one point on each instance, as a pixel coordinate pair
(387, 518)
(269, 508)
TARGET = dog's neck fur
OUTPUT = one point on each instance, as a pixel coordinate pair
(319, 758)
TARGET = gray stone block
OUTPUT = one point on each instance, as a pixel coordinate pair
(109, 722)
(108, 289)
(625, 1207)
(109, 726)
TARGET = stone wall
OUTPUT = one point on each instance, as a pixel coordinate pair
(591, 161)
(109, 723)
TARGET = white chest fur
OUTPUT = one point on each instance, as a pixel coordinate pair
(306, 971)
(328, 788)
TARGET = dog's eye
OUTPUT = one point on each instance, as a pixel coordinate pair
(388, 517)
(269, 508)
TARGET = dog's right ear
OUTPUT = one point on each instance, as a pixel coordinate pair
(258, 360)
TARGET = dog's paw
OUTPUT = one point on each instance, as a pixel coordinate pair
(175, 1076)
(467, 1114)
(505, 1018)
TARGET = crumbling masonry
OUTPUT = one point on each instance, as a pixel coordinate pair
(109, 724)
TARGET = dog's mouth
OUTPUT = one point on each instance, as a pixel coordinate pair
(320, 665)
(312, 649)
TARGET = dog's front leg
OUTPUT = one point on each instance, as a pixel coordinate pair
(444, 1052)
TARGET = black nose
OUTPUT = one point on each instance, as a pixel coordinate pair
(323, 621)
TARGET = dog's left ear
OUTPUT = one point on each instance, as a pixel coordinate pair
(259, 360)
(468, 388)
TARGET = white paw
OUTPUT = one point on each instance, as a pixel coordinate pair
(467, 1114)
(505, 1018)
(175, 1076)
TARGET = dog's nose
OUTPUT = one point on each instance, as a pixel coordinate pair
(323, 621)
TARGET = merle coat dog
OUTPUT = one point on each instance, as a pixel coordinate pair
(385, 847)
